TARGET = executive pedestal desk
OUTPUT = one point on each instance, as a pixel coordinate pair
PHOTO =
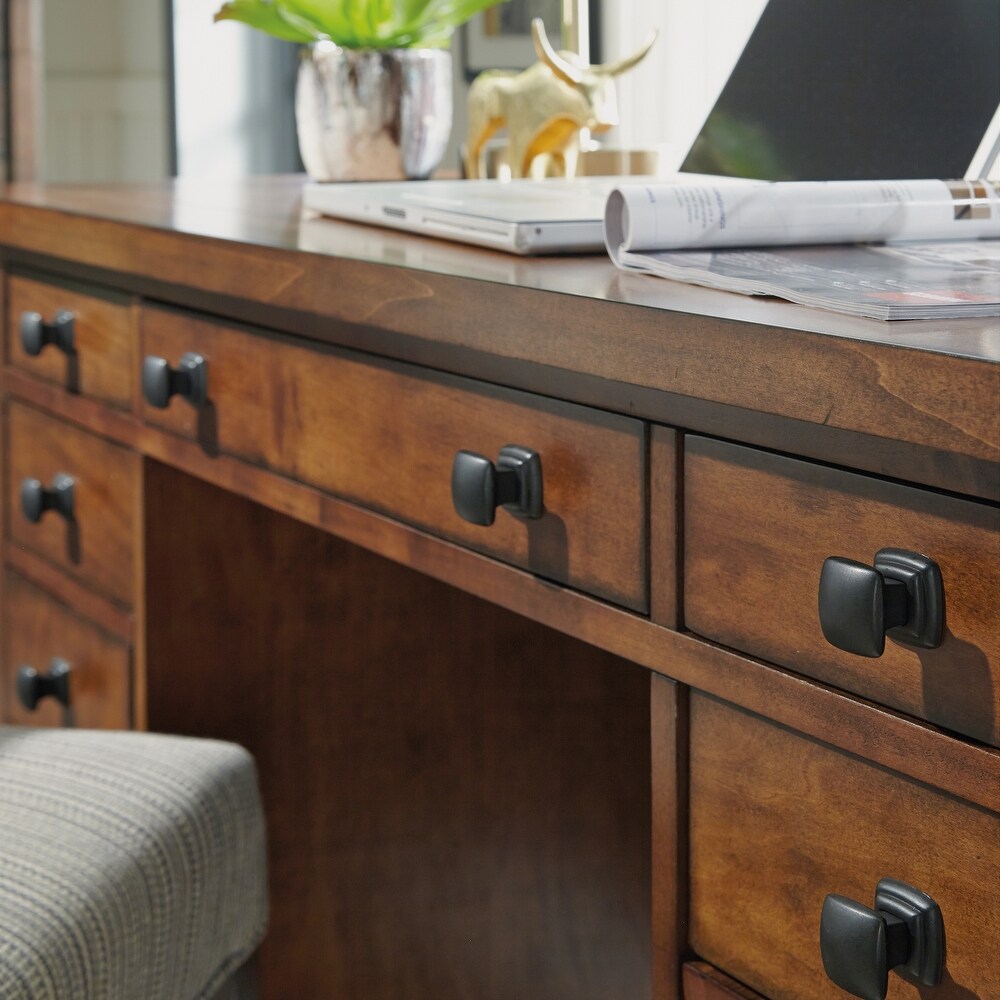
(604, 753)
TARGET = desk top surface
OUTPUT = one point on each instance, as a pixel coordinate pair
(266, 211)
(850, 391)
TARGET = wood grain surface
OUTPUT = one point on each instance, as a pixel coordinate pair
(96, 547)
(778, 822)
(894, 740)
(704, 982)
(36, 628)
(668, 720)
(106, 421)
(757, 530)
(458, 800)
(910, 400)
(107, 614)
(666, 557)
(385, 436)
(103, 364)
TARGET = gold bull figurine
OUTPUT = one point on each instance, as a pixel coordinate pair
(545, 107)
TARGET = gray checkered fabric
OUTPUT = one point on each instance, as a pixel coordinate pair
(131, 865)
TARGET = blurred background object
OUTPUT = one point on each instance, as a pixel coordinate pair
(547, 110)
(373, 97)
(122, 90)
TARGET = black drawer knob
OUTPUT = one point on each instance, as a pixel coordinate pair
(478, 486)
(902, 595)
(904, 932)
(32, 686)
(36, 499)
(189, 380)
(36, 334)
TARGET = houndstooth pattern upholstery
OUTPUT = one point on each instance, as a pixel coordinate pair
(132, 865)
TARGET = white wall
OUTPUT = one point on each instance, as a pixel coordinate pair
(234, 92)
(665, 100)
(105, 90)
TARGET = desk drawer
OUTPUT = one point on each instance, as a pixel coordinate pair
(758, 528)
(385, 436)
(102, 363)
(95, 543)
(37, 630)
(779, 821)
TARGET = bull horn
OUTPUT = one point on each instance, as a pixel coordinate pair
(617, 68)
(562, 68)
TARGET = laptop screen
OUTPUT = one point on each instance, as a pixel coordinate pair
(857, 89)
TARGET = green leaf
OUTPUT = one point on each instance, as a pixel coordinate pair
(358, 24)
(265, 16)
(330, 16)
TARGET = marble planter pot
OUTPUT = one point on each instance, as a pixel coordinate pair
(372, 114)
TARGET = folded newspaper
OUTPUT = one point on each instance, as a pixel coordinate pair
(921, 249)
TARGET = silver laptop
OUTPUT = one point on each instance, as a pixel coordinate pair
(865, 91)
(522, 216)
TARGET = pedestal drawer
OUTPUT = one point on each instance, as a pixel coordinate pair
(778, 822)
(93, 539)
(758, 528)
(41, 633)
(386, 435)
(704, 982)
(101, 360)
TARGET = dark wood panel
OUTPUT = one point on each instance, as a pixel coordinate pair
(386, 437)
(104, 613)
(666, 558)
(103, 364)
(458, 799)
(109, 422)
(37, 628)
(757, 530)
(96, 547)
(778, 821)
(703, 982)
(893, 740)
(669, 738)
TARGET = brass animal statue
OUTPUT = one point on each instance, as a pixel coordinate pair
(544, 108)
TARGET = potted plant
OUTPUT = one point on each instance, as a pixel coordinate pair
(374, 92)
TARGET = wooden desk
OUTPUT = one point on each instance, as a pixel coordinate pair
(551, 758)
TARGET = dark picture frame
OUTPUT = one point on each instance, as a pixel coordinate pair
(500, 38)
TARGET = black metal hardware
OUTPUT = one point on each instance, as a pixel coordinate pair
(36, 334)
(904, 932)
(33, 686)
(902, 595)
(37, 499)
(478, 486)
(189, 380)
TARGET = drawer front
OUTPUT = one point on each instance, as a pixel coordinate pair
(103, 362)
(385, 437)
(96, 544)
(37, 630)
(704, 982)
(758, 528)
(779, 821)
